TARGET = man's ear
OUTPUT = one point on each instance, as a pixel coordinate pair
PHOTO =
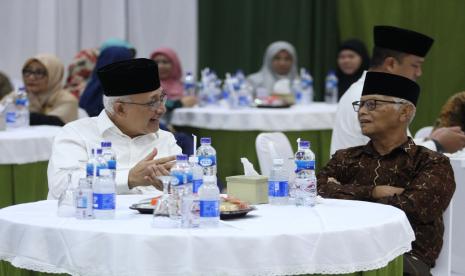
(390, 64)
(405, 112)
(119, 109)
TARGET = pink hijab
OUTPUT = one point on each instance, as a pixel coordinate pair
(173, 84)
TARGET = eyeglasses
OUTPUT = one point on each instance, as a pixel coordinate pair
(370, 104)
(153, 104)
(38, 74)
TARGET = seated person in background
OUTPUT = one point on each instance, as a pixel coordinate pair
(49, 103)
(5, 85)
(401, 52)
(279, 62)
(453, 112)
(391, 169)
(92, 98)
(134, 104)
(81, 67)
(352, 60)
(170, 70)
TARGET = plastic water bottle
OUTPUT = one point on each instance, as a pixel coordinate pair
(197, 173)
(297, 91)
(278, 184)
(91, 168)
(331, 94)
(104, 194)
(209, 201)
(181, 177)
(84, 200)
(22, 108)
(10, 114)
(306, 83)
(189, 84)
(305, 166)
(100, 163)
(109, 156)
(207, 156)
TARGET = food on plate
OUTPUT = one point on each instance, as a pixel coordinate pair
(229, 204)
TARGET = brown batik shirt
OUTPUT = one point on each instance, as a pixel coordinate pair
(426, 176)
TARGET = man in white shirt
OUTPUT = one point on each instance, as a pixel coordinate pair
(134, 103)
(401, 52)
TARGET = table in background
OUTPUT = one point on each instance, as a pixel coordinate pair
(24, 155)
(233, 131)
(336, 236)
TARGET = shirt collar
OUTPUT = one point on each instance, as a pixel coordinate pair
(408, 147)
(104, 123)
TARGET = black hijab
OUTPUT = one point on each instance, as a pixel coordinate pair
(344, 80)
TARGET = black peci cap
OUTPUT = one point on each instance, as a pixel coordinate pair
(378, 83)
(129, 77)
(402, 40)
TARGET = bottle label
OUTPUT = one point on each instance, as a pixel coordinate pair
(84, 200)
(10, 117)
(90, 169)
(104, 201)
(278, 188)
(303, 164)
(179, 178)
(207, 160)
(209, 208)
(196, 185)
(111, 164)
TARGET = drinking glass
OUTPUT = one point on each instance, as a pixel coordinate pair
(66, 200)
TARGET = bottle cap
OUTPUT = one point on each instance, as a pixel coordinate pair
(181, 157)
(304, 144)
(205, 140)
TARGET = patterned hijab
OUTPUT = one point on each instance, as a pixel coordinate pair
(173, 84)
(266, 77)
(55, 70)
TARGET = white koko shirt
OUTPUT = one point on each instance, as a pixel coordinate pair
(73, 144)
(346, 131)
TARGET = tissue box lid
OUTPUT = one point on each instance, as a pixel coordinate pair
(247, 179)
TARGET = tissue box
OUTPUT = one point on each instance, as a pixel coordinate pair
(251, 189)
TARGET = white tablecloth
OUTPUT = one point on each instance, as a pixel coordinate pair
(318, 116)
(27, 145)
(337, 236)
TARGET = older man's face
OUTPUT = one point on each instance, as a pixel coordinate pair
(378, 114)
(143, 113)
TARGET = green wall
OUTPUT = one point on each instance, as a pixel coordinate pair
(444, 69)
(234, 34)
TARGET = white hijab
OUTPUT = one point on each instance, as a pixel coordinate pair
(266, 77)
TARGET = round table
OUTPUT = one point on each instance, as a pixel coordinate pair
(23, 163)
(317, 116)
(336, 236)
(233, 131)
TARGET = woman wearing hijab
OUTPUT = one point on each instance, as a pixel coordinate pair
(352, 60)
(92, 98)
(49, 103)
(170, 71)
(279, 62)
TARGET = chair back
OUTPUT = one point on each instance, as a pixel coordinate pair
(443, 265)
(271, 145)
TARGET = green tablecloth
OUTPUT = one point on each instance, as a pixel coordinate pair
(394, 268)
(23, 183)
(232, 145)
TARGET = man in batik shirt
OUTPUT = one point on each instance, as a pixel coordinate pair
(391, 169)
